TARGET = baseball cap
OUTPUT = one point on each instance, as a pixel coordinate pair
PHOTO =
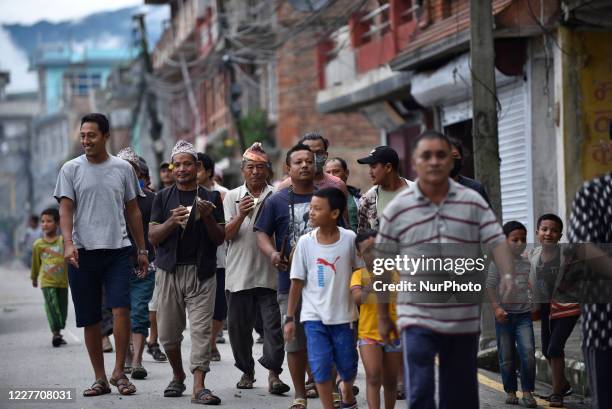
(381, 154)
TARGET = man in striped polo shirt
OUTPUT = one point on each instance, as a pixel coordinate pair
(458, 221)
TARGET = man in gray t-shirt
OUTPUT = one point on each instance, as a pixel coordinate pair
(95, 191)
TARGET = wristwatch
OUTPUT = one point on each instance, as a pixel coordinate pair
(143, 252)
(288, 319)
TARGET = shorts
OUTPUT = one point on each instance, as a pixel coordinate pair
(220, 312)
(299, 342)
(328, 345)
(97, 268)
(141, 290)
(394, 346)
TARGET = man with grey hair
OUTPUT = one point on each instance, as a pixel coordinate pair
(187, 226)
(251, 280)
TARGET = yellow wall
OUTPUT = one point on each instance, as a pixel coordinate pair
(595, 101)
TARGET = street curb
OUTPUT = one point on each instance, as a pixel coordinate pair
(575, 370)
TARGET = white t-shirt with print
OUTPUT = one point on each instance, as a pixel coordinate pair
(326, 270)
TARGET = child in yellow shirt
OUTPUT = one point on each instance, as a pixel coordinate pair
(381, 361)
(49, 266)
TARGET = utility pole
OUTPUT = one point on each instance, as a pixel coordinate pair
(484, 123)
(148, 95)
(484, 101)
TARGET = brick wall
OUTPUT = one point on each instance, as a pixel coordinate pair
(350, 134)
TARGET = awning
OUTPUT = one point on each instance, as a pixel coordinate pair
(375, 85)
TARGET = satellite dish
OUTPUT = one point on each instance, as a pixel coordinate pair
(308, 5)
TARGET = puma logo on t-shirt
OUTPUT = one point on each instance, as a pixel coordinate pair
(327, 263)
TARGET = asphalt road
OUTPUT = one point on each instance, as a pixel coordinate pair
(29, 361)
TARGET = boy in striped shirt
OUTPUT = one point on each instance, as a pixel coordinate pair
(438, 210)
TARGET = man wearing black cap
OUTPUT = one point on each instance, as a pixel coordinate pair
(384, 172)
(166, 178)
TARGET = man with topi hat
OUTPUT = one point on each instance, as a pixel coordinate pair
(186, 226)
(251, 280)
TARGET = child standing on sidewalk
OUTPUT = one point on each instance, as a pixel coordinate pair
(48, 264)
(381, 361)
(513, 325)
(321, 270)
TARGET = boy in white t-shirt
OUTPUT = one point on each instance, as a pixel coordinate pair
(321, 271)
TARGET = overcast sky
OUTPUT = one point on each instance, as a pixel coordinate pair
(31, 11)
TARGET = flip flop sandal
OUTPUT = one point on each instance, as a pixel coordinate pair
(556, 401)
(205, 397)
(123, 384)
(298, 403)
(155, 351)
(277, 387)
(215, 355)
(99, 387)
(138, 372)
(245, 382)
(174, 389)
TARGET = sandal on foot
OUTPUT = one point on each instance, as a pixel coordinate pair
(277, 387)
(138, 372)
(99, 387)
(123, 384)
(529, 402)
(556, 401)
(298, 403)
(205, 397)
(512, 400)
(336, 399)
(215, 355)
(245, 382)
(155, 351)
(56, 340)
(311, 391)
(174, 389)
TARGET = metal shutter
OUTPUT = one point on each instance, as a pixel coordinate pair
(515, 154)
(514, 149)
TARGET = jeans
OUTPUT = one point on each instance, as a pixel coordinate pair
(516, 335)
(458, 384)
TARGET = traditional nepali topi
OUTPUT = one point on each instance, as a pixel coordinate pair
(129, 155)
(256, 153)
(184, 147)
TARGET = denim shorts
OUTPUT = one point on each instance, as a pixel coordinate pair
(110, 269)
(328, 345)
(141, 291)
(394, 346)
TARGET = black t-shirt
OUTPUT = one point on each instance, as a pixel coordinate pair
(187, 250)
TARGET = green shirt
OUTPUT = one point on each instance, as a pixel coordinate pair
(385, 197)
(48, 263)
